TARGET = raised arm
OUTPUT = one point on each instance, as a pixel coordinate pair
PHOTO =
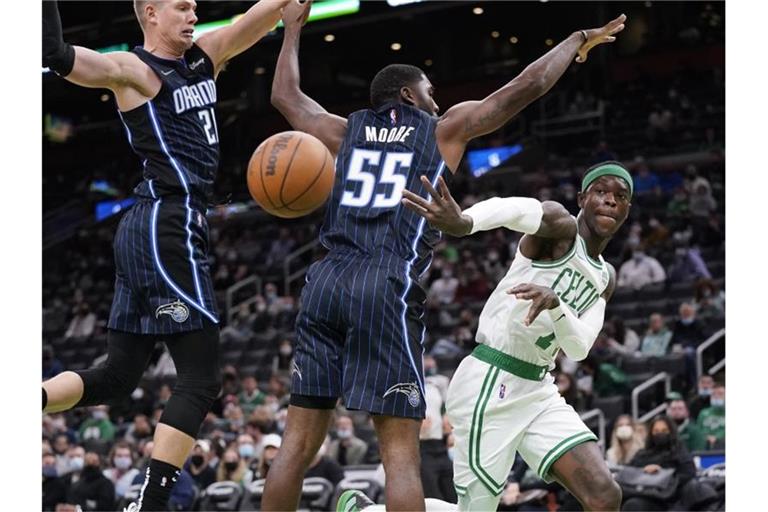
(546, 219)
(83, 66)
(224, 43)
(471, 119)
(301, 111)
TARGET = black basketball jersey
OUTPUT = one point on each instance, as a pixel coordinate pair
(175, 133)
(385, 151)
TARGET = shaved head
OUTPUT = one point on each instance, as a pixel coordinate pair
(139, 7)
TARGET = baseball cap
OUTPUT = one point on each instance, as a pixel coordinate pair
(271, 440)
(204, 445)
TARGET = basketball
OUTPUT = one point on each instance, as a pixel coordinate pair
(290, 174)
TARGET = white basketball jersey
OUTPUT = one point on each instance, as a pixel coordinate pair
(576, 278)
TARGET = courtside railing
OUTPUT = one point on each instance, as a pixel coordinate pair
(659, 377)
(700, 355)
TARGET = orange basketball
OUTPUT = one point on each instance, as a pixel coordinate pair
(291, 174)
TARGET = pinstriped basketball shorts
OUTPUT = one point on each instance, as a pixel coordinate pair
(163, 283)
(496, 414)
(359, 336)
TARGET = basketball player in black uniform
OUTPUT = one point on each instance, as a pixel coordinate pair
(166, 95)
(359, 328)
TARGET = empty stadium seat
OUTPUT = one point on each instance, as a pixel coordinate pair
(221, 496)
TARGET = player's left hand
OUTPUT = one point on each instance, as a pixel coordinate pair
(542, 297)
(442, 212)
(596, 36)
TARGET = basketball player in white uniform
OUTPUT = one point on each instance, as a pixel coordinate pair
(502, 398)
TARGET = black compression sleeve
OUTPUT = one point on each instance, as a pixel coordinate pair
(57, 55)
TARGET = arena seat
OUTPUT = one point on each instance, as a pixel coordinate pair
(221, 496)
(368, 486)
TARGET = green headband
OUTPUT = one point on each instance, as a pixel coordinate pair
(607, 170)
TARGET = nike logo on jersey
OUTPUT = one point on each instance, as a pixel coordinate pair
(196, 63)
(166, 73)
(398, 134)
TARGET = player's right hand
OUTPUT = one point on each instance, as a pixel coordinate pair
(542, 298)
(295, 14)
(600, 35)
(441, 212)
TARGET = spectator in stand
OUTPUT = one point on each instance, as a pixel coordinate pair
(688, 330)
(711, 420)
(280, 248)
(657, 338)
(54, 488)
(92, 490)
(324, 467)
(139, 430)
(626, 441)
(270, 446)
(688, 266)
(603, 153)
(122, 472)
(279, 389)
(436, 467)
(647, 185)
(83, 323)
(657, 234)
(233, 421)
(443, 289)
(198, 465)
(239, 329)
(51, 365)
(60, 447)
(98, 427)
(709, 301)
(702, 203)
(701, 399)
(251, 396)
(641, 270)
(663, 449)
(231, 468)
(473, 284)
(623, 339)
(347, 449)
(660, 122)
(568, 390)
(163, 395)
(246, 447)
(687, 431)
(677, 207)
(284, 357)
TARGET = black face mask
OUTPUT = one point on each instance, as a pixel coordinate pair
(230, 466)
(662, 440)
(196, 460)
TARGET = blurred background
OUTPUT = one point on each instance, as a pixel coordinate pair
(654, 100)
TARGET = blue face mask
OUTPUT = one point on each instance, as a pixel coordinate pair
(49, 471)
(717, 402)
(451, 452)
(246, 451)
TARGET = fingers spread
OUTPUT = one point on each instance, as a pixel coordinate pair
(414, 207)
(420, 201)
(430, 189)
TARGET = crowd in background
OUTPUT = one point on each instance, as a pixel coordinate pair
(669, 259)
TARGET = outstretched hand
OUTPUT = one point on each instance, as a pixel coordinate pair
(441, 212)
(600, 35)
(542, 297)
(295, 14)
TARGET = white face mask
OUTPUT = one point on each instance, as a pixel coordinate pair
(76, 463)
(624, 432)
(451, 452)
(123, 462)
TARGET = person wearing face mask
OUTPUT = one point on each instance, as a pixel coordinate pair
(98, 426)
(657, 337)
(711, 421)
(640, 270)
(700, 398)
(231, 468)
(625, 441)
(197, 465)
(662, 450)
(347, 449)
(270, 447)
(443, 289)
(54, 489)
(122, 472)
(93, 490)
(282, 361)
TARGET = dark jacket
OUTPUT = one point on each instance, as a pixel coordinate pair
(93, 491)
(676, 456)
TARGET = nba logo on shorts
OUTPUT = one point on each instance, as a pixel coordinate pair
(502, 390)
(393, 116)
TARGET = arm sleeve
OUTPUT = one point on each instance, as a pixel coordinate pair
(57, 55)
(576, 335)
(521, 214)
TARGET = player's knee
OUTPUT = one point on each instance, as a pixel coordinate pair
(105, 383)
(200, 392)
